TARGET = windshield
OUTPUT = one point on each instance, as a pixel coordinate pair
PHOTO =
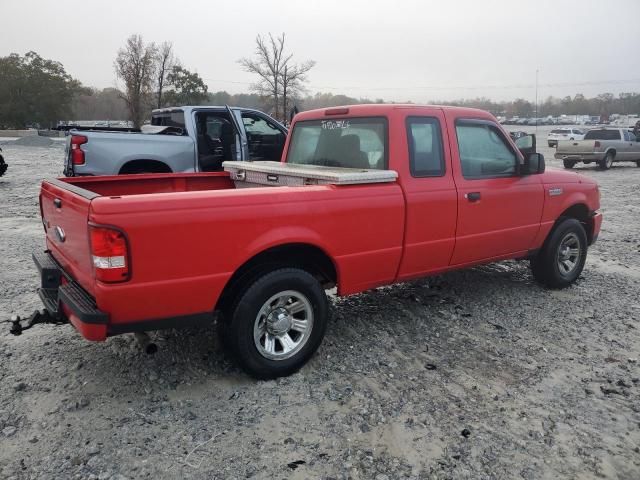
(602, 135)
(350, 143)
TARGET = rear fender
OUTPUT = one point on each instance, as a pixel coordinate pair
(285, 235)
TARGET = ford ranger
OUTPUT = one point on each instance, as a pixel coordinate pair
(602, 146)
(180, 139)
(365, 196)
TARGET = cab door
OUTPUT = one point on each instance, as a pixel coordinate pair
(424, 167)
(499, 210)
(242, 146)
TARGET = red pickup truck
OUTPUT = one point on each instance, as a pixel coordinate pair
(396, 192)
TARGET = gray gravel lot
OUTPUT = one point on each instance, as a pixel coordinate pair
(473, 374)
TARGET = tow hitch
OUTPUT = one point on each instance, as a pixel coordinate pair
(39, 316)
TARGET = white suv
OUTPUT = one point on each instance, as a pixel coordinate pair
(564, 134)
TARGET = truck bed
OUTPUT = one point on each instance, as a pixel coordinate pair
(117, 185)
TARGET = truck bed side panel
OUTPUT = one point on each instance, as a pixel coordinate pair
(185, 246)
(107, 152)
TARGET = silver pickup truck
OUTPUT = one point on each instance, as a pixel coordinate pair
(602, 146)
(180, 139)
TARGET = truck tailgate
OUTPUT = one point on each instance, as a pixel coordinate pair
(65, 213)
(573, 147)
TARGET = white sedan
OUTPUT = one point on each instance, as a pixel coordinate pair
(564, 134)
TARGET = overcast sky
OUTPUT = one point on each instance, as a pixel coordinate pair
(397, 50)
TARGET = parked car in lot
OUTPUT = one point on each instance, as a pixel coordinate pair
(182, 139)
(558, 134)
(365, 196)
(602, 146)
(516, 134)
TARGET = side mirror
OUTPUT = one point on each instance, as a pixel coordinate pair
(533, 164)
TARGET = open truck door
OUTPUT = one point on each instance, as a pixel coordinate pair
(242, 146)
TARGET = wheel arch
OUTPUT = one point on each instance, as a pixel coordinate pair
(151, 165)
(305, 256)
(580, 212)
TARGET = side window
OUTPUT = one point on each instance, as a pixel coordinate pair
(265, 140)
(426, 155)
(484, 153)
(632, 137)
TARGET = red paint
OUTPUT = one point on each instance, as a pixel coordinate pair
(188, 233)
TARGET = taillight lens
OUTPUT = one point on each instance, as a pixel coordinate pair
(109, 253)
(596, 144)
(77, 154)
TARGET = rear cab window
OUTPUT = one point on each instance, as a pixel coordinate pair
(173, 119)
(355, 142)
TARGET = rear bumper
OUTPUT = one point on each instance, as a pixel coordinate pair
(63, 297)
(581, 157)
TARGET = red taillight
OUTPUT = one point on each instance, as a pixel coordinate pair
(109, 253)
(596, 144)
(77, 154)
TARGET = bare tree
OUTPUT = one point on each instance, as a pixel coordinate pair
(278, 76)
(135, 66)
(165, 61)
(292, 81)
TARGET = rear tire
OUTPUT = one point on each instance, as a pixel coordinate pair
(561, 259)
(276, 323)
(606, 162)
(569, 163)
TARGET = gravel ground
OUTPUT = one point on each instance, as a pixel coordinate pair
(473, 374)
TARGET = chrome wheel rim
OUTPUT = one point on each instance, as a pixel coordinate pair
(609, 161)
(568, 254)
(283, 325)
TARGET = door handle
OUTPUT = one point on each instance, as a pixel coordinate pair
(472, 196)
(57, 203)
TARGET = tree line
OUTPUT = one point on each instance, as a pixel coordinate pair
(603, 105)
(38, 91)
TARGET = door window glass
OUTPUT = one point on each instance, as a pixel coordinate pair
(484, 152)
(265, 140)
(426, 157)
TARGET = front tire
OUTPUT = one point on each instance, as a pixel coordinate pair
(561, 259)
(277, 323)
(569, 163)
